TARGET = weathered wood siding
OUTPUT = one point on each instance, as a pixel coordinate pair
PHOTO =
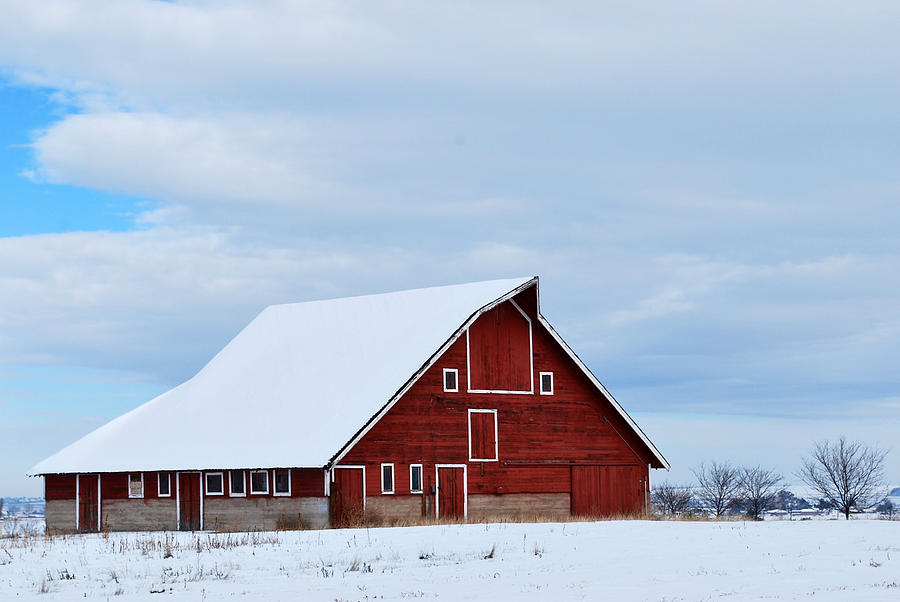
(59, 514)
(264, 513)
(137, 514)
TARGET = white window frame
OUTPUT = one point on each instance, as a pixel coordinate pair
(541, 376)
(393, 479)
(206, 476)
(231, 493)
(496, 438)
(455, 373)
(130, 495)
(159, 480)
(275, 491)
(421, 488)
(266, 492)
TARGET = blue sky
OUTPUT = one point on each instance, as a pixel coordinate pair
(708, 192)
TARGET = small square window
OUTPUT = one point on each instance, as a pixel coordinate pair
(164, 484)
(415, 478)
(387, 478)
(451, 380)
(215, 483)
(282, 481)
(136, 485)
(259, 482)
(546, 383)
(237, 483)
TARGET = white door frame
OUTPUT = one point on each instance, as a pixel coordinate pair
(356, 467)
(437, 488)
(178, 497)
(78, 499)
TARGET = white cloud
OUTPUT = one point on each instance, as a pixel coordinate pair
(232, 160)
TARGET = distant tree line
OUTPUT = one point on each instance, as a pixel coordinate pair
(847, 476)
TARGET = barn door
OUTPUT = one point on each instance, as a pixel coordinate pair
(451, 492)
(189, 510)
(88, 502)
(607, 490)
(348, 496)
(586, 491)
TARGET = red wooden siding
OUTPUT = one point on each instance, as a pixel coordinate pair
(499, 351)
(59, 487)
(114, 486)
(608, 490)
(481, 427)
(307, 482)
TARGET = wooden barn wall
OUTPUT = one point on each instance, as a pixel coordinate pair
(498, 351)
(59, 487)
(306, 506)
(305, 482)
(539, 436)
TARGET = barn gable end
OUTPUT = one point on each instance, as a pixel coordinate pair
(545, 445)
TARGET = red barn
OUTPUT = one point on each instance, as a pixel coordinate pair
(457, 402)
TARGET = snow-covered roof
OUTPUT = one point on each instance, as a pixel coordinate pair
(296, 387)
(291, 389)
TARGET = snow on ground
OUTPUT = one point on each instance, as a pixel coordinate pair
(615, 560)
(26, 525)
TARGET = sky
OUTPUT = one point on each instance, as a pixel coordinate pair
(708, 191)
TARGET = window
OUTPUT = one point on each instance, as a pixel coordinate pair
(282, 481)
(415, 478)
(215, 483)
(136, 485)
(451, 380)
(164, 484)
(483, 435)
(238, 483)
(259, 481)
(387, 478)
(546, 383)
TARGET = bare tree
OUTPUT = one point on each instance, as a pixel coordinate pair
(671, 499)
(718, 486)
(848, 474)
(758, 489)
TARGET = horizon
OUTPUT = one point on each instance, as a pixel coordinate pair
(709, 195)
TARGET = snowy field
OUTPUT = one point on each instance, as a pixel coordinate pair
(617, 560)
(21, 526)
